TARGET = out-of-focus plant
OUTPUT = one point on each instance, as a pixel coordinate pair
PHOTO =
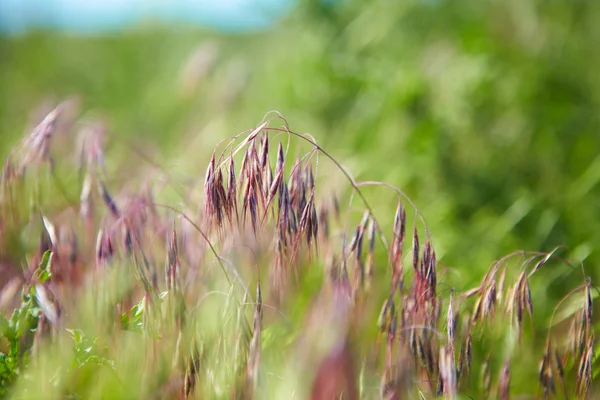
(18, 332)
(273, 289)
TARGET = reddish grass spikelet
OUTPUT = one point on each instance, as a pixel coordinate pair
(527, 299)
(255, 133)
(295, 185)
(253, 207)
(546, 374)
(415, 251)
(521, 301)
(289, 215)
(264, 152)
(313, 231)
(581, 333)
(244, 169)
(250, 203)
(450, 320)
(36, 146)
(383, 320)
(173, 265)
(426, 258)
(431, 275)
(588, 308)
(468, 352)
(543, 261)
(356, 246)
(400, 223)
(209, 189)
(304, 224)
(425, 354)
(500, 291)
(216, 201)
(472, 292)
(585, 369)
(489, 302)
(260, 179)
(49, 240)
(370, 263)
(356, 239)
(127, 239)
(413, 343)
(232, 189)
(213, 196)
(108, 200)
(104, 248)
(90, 153)
(560, 369)
(504, 382)
(477, 311)
(191, 375)
(276, 186)
(396, 262)
(280, 165)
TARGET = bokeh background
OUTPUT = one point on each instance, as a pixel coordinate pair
(486, 113)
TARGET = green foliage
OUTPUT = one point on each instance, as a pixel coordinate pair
(17, 332)
(85, 351)
(43, 273)
(134, 320)
(9, 363)
(484, 113)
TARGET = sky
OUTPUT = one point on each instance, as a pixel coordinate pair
(95, 16)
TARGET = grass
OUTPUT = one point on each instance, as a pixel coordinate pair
(275, 277)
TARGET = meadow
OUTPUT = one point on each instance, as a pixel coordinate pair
(165, 234)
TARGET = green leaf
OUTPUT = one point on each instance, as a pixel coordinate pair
(138, 309)
(14, 318)
(45, 267)
(4, 325)
(76, 334)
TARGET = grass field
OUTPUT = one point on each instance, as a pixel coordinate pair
(135, 266)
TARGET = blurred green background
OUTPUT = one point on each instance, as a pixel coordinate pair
(486, 113)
